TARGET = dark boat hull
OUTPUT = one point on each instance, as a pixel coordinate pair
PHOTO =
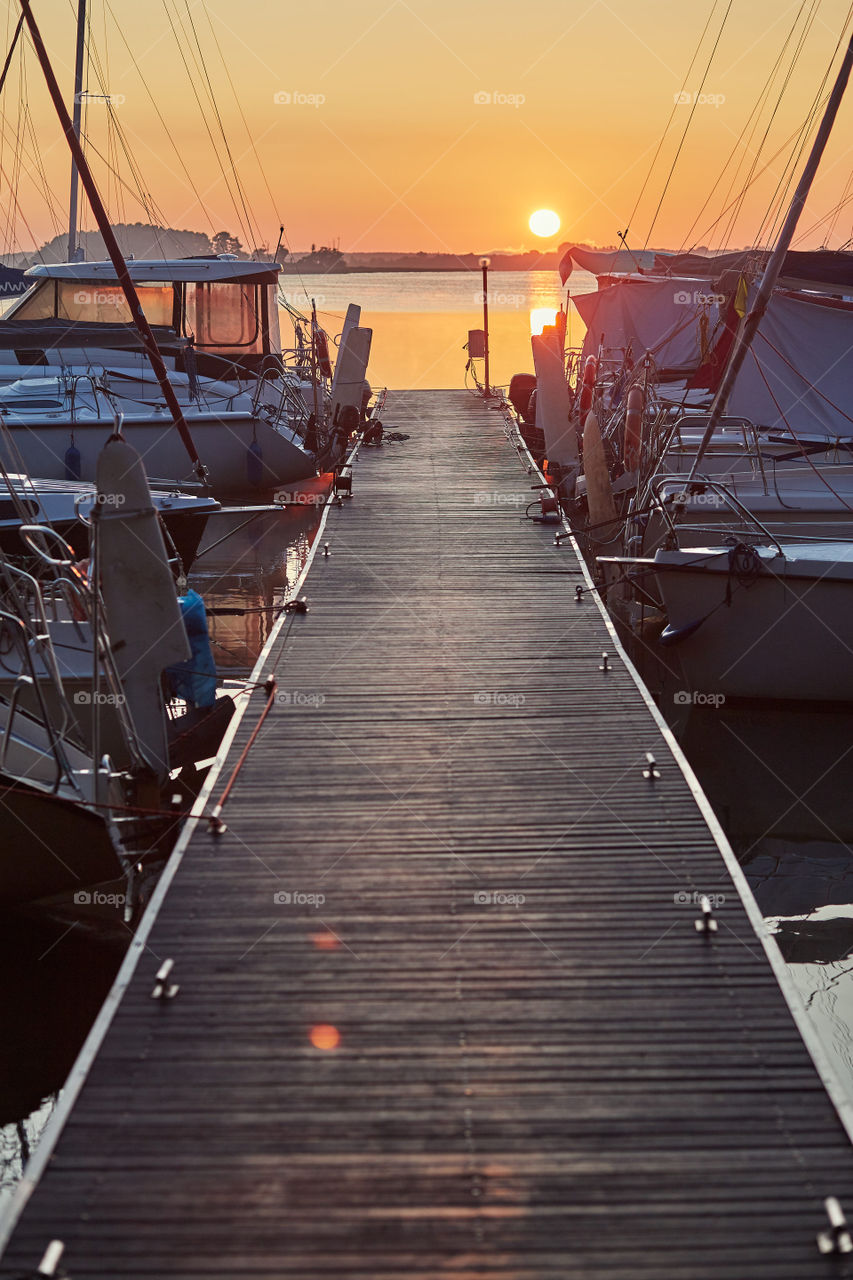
(50, 845)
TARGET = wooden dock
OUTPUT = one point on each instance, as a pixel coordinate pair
(444, 849)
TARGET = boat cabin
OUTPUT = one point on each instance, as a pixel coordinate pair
(224, 308)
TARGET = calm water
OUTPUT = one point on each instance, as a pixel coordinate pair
(420, 320)
(779, 780)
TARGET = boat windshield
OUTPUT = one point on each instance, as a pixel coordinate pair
(221, 316)
(78, 301)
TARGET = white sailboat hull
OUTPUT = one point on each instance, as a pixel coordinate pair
(222, 441)
(784, 633)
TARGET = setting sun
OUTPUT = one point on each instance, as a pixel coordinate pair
(544, 222)
(540, 317)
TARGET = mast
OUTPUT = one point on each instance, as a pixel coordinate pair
(772, 271)
(149, 342)
(75, 124)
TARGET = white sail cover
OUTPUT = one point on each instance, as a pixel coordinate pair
(652, 313)
(603, 261)
(552, 398)
(798, 370)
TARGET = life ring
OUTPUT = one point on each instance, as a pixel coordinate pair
(321, 348)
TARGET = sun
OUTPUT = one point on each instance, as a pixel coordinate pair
(544, 222)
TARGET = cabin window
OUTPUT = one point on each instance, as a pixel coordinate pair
(223, 316)
(106, 304)
(83, 301)
(38, 304)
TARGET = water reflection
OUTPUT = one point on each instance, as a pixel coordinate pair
(778, 778)
(246, 562)
(56, 976)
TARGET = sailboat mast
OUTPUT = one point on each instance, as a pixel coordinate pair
(773, 269)
(77, 111)
(137, 315)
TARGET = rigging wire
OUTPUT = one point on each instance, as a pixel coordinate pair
(773, 226)
(755, 112)
(162, 119)
(675, 107)
(728, 230)
(254, 235)
(249, 133)
(695, 103)
(202, 112)
(833, 213)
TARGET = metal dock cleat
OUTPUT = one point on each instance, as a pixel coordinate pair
(163, 989)
(837, 1239)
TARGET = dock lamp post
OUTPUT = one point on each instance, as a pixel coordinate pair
(484, 263)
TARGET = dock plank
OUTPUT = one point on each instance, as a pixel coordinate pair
(543, 1070)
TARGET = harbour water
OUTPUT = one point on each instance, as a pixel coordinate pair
(776, 777)
(420, 320)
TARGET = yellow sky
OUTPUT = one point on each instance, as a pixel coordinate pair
(383, 141)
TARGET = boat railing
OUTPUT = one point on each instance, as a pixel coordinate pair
(29, 681)
(79, 603)
(287, 403)
(672, 505)
(671, 439)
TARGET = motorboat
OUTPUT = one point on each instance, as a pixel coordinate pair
(72, 363)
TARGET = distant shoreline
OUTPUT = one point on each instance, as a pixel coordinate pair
(289, 270)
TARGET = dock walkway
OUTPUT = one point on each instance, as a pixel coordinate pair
(444, 852)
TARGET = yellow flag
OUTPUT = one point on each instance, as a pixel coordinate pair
(740, 297)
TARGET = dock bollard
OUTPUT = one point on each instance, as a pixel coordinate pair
(837, 1239)
(604, 662)
(161, 990)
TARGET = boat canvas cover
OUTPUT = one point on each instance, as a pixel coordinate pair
(12, 281)
(832, 268)
(797, 372)
(652, 314)
(47, 335)
(602, 261)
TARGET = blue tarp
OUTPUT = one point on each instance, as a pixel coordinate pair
(195, 679)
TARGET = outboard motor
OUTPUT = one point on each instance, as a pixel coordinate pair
(521, 387)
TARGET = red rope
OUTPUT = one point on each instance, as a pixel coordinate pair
(217, 826)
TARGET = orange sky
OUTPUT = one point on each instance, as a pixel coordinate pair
(383, 143)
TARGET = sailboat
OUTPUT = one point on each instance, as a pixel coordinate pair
(186, 352)
(85, 749)
(764, 616)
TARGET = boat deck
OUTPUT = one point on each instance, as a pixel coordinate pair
(444, 851)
